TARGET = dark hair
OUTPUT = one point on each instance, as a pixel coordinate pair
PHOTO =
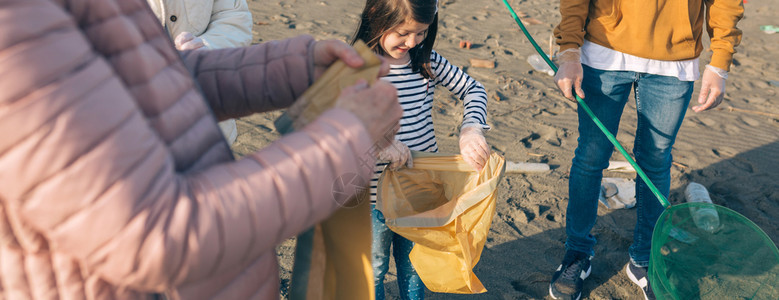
(379, 16)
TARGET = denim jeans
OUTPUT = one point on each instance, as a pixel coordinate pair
(661, 103)
(409, 283)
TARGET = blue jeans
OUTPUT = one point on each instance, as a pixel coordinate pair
(409, 283)
(661, 103)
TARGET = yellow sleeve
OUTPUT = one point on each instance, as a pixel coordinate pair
(570, 32)
(721, 19)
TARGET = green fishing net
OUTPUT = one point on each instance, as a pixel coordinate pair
(730, 259)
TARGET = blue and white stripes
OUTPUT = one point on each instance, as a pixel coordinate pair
(415, 94)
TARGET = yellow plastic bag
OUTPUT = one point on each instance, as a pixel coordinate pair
(446, 209)
(333, 259)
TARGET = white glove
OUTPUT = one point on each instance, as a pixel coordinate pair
(712, 88)
(473, 147)
(397, 154)
(569, 75)
(187, 41)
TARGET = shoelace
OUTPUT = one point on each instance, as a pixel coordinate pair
(572, 271)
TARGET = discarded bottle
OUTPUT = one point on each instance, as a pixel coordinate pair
(539, 64)
(682, 235)
(705, 216)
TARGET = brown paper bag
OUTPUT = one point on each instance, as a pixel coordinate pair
(333, 259)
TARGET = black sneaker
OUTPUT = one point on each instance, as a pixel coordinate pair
(638, 275)
(568, 280)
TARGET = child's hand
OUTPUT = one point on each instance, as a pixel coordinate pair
(473, 147)
(397, 154)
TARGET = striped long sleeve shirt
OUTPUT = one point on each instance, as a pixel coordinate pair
(415, 94)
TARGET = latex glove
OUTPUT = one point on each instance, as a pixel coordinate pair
(473, 147)
(569, 73)
(188, 41)
(328, 51)
(397, 154)
(712, 88)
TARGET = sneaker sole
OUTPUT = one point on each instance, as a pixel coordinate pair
(553, 297)
(634, 280)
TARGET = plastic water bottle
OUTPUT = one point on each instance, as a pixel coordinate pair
(705, 217)
(539, 64)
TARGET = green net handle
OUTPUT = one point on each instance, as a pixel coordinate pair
(595, 119)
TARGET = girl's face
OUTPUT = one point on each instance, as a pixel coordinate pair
(397, 41)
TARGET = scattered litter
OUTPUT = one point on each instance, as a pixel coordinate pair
(531, 21)
(482, 63)
(769, 29)
(620, 166)
(754, 112)
(498, 96)
(617, 193)
(773, 82)
(523, 167)
(465, 44)
(680, 235)
(539, 64)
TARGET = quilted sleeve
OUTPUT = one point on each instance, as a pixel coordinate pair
(262, 77)
(81, 166)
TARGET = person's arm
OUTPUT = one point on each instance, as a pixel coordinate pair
(258, 78)
(230, 25)
(81, 166)
(722, 16)
(473, 145)
(467, 89)
(569, 34)
(267, 76)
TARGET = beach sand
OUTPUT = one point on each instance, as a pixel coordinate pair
(734, 153)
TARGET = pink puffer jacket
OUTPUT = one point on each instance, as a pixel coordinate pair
(114, 179)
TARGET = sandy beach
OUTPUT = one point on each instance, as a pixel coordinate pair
(732, 150)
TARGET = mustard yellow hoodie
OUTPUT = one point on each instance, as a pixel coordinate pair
(654, 29)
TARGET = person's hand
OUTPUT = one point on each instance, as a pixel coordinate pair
(188, 41)
(569, 74)
(473, 147)
(328, 51)
(376, 106)
(397, 154)
(712, 88)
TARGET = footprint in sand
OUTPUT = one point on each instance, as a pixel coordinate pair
(525, 215)
(751, 122)
(554, 141)
(707, 121)
(731, 129)
(551, 136)
(528, 141)
(283, 18)
(742, 165)
(724, 152)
